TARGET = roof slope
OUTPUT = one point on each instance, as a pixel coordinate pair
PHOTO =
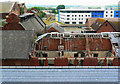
(5, 7)
(98, 23)
(54, 25)
(32, 22)
(16, 44)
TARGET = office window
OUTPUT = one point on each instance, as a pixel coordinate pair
(73, 22)
(79, 15)
(86, 15)
(72, 18)
(95, 11)
(80, 22)
(75, 18)
(111, 11)
(75, 15)
(95, 15)
(68, 18)
(79, 18)
(111, 15)
(67, 23)
(92, 15)
(116, 15)
(82, 15)
(72, 15)
(96, 55)
(68, 15)
(106, 11)
(106, 15)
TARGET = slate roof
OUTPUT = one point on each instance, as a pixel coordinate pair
(5, 7)
(32, 22)
(16, 44)
(55, 26)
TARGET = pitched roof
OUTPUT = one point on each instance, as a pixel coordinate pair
(116, 25)
(113, 21)
(32, 22)
(54, 25)
(91, 21)
(16, 44)
(98, 23)
(5, 7)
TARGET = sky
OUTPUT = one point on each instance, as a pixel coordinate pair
(68, 2)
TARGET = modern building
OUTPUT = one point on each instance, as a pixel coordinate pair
(79, 16)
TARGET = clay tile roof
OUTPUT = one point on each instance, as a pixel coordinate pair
(98, 23)
(116, 25)
(91, 21)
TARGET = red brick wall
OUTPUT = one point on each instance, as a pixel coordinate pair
(90, 62)
(20, 62)
(116, 62)
(103, 28)
(80, 43)
(61, 62)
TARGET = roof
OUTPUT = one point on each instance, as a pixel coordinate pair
(82, 9)
(116, 25)
(32, 22)
(16, 44)
(91, 21)
(99, 21)
(55, 26)
(5, 7)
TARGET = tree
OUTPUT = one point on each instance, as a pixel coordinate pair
(53, 11)
(60, 7)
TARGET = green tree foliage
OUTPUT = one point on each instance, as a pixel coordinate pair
(21, 10)
(53, 11)
(60, 7)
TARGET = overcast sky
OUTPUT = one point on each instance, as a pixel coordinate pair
(69, 2)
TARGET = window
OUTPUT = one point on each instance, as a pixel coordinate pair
(82, 19)
(73, 22)
(86, 15)
(79, 18)
(68, 15)
(95, 11)
(79, 15)
(106, 25)
(110, 8)
(95, 55)
(95, 15)
(72, 18)
(80, 22)
(111, 11)
(72, 15)
(116, 15)
(68, 18)
(82, 15)
(111, 15)
(75, 18)
(82, 54)
(75, 15)
(67, 23)
(92, 15)
(45, 47)
(75, 48)
(106, 15)
(106, 11)
(76, 55)
(45, 55)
